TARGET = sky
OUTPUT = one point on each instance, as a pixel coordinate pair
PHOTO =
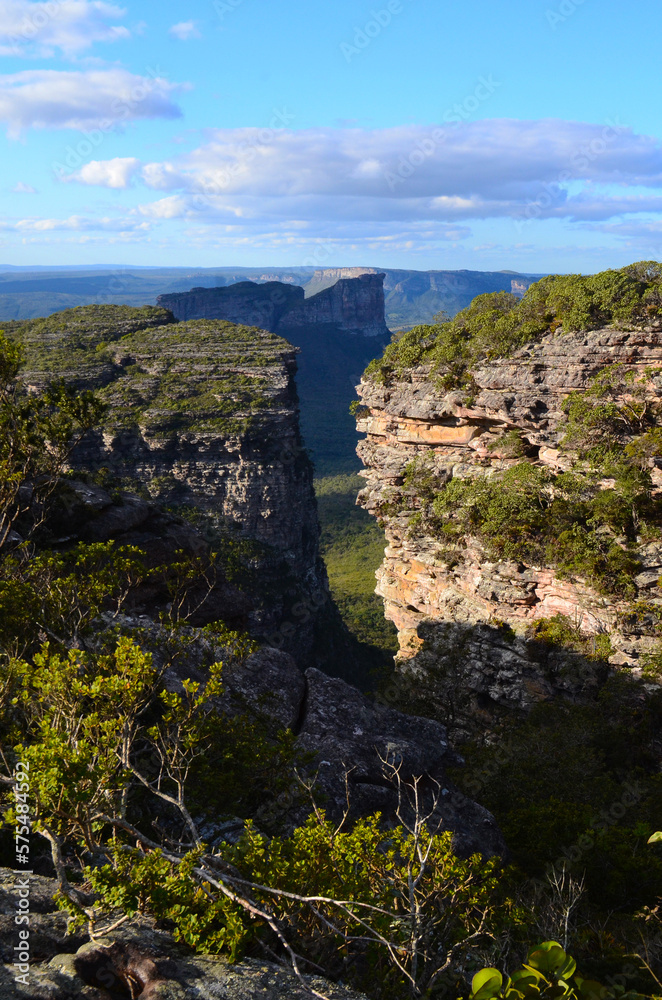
(524, 135)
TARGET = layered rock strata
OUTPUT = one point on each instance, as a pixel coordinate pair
(338, 332)
(204, 415)
(351, 305)
(437, 602)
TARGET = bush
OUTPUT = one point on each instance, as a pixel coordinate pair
(497, 324)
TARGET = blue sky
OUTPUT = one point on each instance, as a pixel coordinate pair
(401, 133)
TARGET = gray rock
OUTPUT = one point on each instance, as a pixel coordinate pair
(352, 736)
(140, 961)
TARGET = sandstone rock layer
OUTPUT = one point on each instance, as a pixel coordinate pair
(435, 603)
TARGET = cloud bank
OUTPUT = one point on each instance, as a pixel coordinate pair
(487, 169)
(83, 100)
(70, 26)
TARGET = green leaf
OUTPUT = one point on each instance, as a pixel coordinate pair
(486, 984)
(655, 838)
(549, 957)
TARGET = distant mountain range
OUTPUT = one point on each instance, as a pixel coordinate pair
(411, 296)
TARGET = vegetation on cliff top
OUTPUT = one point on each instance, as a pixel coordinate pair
(119, 761)
(589, 521)
(204, 375)
(497, 324)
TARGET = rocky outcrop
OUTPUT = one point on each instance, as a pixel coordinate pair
(437, 602)
(353, 739)
(350, 305)
(137, 960)
(246, 302)
(413, 297)
(346, 738)
(338, 332)
(202, 416)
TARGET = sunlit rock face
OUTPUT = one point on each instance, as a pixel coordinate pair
(451, 612)
(203, 416)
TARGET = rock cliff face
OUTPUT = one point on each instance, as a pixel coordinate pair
(338, 332)
(450, 612)
(413, 297)
(205, 415)
(246, 302)
(351, 305)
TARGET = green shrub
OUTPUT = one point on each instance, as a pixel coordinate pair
(497, 324)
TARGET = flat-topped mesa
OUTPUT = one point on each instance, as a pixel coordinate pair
(464, 607)
(204, 415)
(244, 302)
(351, 305)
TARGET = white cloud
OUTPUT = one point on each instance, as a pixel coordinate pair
(83, 100)
(408, 189)
(115, 173)
(167, 208)
(77, 223)
(496, 159)
(486, 169)
(28, 28)
(184, 30)
(163, 177)
(23, 188)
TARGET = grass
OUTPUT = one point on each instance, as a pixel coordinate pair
(353, 547)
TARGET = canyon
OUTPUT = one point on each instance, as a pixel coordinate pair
(337, 331)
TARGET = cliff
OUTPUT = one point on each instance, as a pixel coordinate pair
(246, 302)
(205, 416)
(499, 507)
(416, 296)
(338, 332)
(351, 305)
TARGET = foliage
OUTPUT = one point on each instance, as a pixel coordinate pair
(38, 432)
(60, 594)
(561, 631)
(170, 377)
(528, 513)
(577, 786)
(497, 324)
(614, 411)
(548, 972)
(75, 341)
(352, 546)
(342, 896)
(106, 742)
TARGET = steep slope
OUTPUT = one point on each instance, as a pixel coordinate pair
(205, 415)
(338, 331)
(513, 489)
(413, 297)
